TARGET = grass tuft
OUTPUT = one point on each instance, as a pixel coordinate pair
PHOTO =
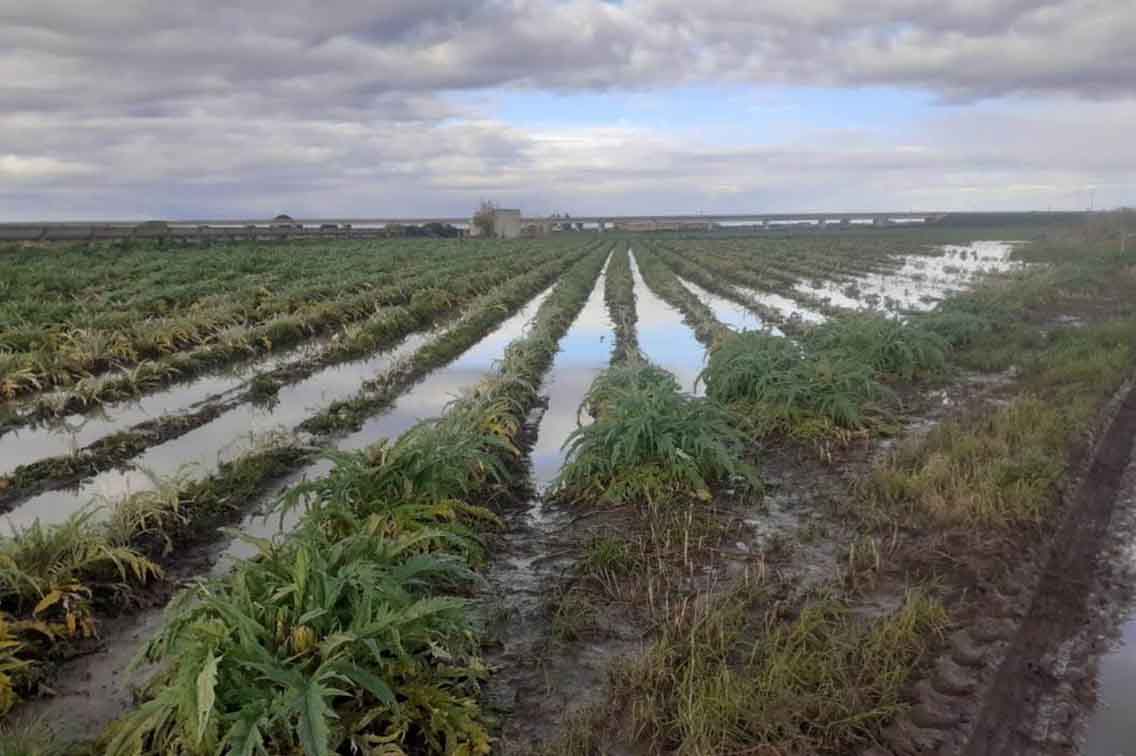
(779, 388)
(720, 681)
(650, 442)
(30, 739)
(889, 346)
(996, 470)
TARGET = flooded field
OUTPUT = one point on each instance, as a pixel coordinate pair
(425, 400)
(50, 438)
(921, 281)
(106, 676)
(583, 354)
(200, 451)
(728, 312)
(524, 579)
(664, 336)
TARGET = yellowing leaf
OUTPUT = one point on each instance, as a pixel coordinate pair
(48, 601)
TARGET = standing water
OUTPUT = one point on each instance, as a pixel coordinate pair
(425, 400)
(428, 398)
(730, 314)
(664, 336)
(531, 550)
(1111, 729)
(583, 355)
(28, 444)
(99, 687)
(788, 308)
(921, 281)
(200, 451)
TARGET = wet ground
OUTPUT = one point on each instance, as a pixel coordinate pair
(1110, 728)
(734, 316)
(424, 400)
(536, 546)
(545, 674)
(1018, 675)
(26, 444)
(920, 282)
(664, 336)
(786, 307)
(1035, 700)
(96, 687)
(542, 676)
(198, 453)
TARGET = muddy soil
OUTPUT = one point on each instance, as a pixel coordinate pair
(97, 684)
(556, 635)
(1033, 612)
(1041, 685)
(1107, 724)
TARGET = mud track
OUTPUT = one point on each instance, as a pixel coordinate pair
(1019, 716)
(1016, 680)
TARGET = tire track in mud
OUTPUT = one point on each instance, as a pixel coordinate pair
(1018, 716)
(1004, 685)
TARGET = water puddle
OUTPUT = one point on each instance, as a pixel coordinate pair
(198, 453)
(729, 313)
(583, 354)
(99, 687)
(664, 336)
(424, 400)
(920, 282)
(28, 444)
(92, 690)
(1111, 730)
(791, 309)
(534, 550)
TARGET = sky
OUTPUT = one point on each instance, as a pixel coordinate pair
(137, 109)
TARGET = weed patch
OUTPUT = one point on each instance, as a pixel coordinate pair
(890, 347)
(352, 633)
(651, 443)
(723, 680)
(776, 387)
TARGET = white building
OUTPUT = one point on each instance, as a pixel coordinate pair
(506, 224)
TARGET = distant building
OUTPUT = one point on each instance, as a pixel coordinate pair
(506, 224)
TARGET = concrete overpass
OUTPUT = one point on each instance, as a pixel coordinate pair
(362, 227)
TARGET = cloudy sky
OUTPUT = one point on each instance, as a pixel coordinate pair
(191, 109)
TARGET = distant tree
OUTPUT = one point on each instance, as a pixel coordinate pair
(440, 230)
(483, 218)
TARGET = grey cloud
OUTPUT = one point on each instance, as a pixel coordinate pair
(144, 109)
(179, 167)
(203, 49)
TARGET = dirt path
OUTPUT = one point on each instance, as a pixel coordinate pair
(1025, 711)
